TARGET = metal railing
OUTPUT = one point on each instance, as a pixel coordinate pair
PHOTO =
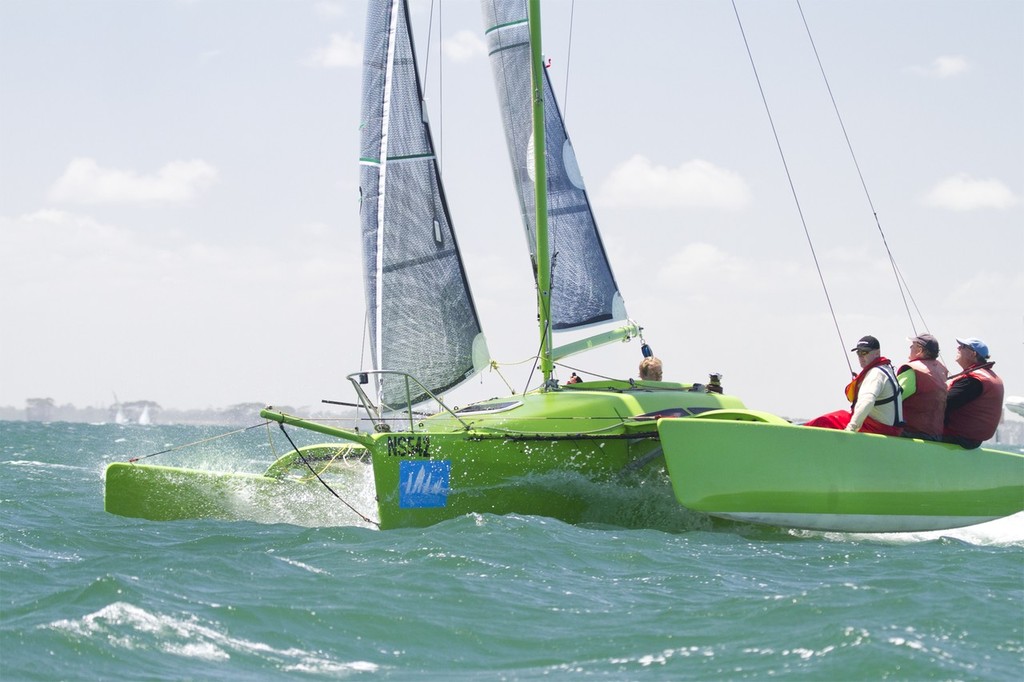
(376, 411)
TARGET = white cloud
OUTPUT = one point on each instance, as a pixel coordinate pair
(943, 67)
(342, 52)
(329, 9)
(987, 291)
(464, 46)
(698, 262)
(961, 192)
(146, 308)
(85, 182)
(697, 183)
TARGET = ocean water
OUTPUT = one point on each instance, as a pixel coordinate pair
(88, 595)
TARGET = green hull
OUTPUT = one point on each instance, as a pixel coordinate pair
(553, 454)
(801, 477)
(287, 492)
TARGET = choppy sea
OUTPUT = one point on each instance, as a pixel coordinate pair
(88, 595)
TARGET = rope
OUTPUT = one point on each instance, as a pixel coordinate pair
(440, 77)
(199, 442)
(322, 481)
(494, 368)
(901, 283)
(568, 60)
(577, 369)
(792, 187)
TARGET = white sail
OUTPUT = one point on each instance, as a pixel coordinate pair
(421, 315)
(583, 289)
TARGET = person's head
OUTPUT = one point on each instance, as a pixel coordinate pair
(924, 347)
(650, 369)
(867, 350)
(971, 352)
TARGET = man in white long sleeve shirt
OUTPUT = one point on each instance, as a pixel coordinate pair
(874, 394)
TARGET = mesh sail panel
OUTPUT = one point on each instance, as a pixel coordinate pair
(421, 315)
(583, 289)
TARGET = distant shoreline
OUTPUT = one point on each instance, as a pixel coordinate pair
(240, 414)
(1010, 432)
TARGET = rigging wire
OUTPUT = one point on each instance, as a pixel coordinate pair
(322, 481)
(440, 78)
(792, 187)
(900, 281)
(199, 442)
(568, 62)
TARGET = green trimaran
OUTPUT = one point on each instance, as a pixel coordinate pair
(526, 453)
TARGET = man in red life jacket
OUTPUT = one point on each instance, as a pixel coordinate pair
(974, 401)
(874, 395)
(923, 380)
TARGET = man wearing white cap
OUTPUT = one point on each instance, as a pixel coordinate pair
(974, 402)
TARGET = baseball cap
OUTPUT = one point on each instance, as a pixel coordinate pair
(977, 345)
(867, 343)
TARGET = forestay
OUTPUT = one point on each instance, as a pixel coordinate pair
(420, 311)
(583, 289)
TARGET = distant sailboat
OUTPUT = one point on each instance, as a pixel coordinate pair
(119, 415)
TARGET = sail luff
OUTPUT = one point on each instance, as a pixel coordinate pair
(378, 351)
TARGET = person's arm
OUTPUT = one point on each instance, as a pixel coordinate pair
(964, 390)
(869, 391)
(907, 379)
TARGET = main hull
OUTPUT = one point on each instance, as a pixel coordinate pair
(802, 477)
(556, 454)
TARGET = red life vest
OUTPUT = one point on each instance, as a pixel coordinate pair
(925, 410)
(978, 419)
(870, 424)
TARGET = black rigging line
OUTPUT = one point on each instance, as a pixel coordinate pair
(900, 282)
(322, 481)
(198, 442)
(792, 187)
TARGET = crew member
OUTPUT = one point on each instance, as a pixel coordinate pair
(650, 369)
(874, 394)
(974, 400)
(923, 380)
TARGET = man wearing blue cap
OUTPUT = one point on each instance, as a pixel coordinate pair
(974, 402)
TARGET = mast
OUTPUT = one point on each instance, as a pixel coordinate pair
(541, 193)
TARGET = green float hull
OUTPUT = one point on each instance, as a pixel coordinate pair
(800, 477)
(288, 491)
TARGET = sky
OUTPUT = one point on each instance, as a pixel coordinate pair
(179, 191)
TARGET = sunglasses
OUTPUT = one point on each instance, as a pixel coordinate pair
(861, 351)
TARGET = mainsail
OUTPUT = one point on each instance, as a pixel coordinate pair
(421, 316)
(583, 290)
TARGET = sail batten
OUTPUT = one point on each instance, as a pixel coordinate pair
(421, 316)
(583, 290)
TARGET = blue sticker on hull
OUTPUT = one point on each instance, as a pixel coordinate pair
(423, 483)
